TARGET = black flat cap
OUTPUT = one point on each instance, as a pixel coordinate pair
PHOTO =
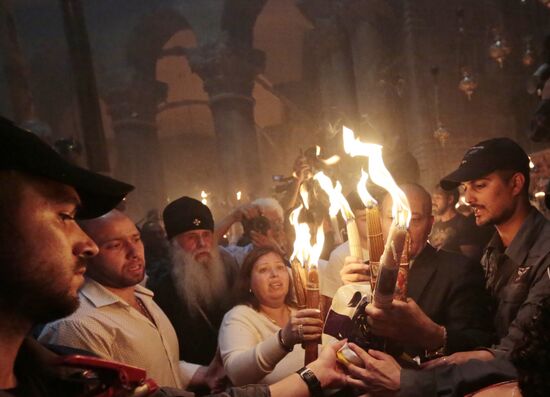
(186, 214)
(23, 151)
(486, 157)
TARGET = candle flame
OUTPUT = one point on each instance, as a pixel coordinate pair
(331, 160)
(337, 200)
(380, 175)
(204, 195)
(306, 253)
(239, 195)
(364, 195)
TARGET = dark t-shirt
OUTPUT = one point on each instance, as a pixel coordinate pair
(457, 231)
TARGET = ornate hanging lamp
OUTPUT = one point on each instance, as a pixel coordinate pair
(528, 58)
(499, 48)
(441, 134)
(468, 84)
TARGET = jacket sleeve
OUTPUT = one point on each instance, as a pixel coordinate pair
(455, 380)
(538, 290)
(245, 391)
(246, 358)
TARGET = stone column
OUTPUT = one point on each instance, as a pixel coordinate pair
(133, 109)
(228, 64)
(420, 113)
(336, 74)
(85, 84)
(228, 72)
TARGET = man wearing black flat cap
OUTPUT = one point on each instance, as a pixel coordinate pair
(196, 291)
(43, 252)
(495, 176)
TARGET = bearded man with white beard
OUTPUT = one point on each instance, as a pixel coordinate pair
(197, 290)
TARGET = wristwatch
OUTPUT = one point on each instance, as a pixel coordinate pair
(312, 382)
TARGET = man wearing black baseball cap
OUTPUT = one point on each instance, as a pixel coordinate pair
(43, 251)
(495, 177)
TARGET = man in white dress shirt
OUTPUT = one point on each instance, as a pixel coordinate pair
(118, 319)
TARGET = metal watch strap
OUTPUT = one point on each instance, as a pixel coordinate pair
(312, 382)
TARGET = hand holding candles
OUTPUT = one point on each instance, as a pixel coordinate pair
(307, 255)
(389, 265)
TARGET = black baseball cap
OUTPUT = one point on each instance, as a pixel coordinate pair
(486, 157)
(21, 150)
(185, 214)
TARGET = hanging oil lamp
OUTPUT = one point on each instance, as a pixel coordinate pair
(467, 85)
(441, 134)
(499, 49)
(528, 57)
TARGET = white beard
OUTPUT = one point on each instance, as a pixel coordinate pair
(199, 286)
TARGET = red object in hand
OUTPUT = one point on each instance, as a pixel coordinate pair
(105, 378)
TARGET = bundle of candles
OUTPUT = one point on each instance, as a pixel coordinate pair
(305, 274)
(374, 227)
(396, 241)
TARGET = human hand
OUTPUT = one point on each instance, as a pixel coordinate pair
(301, 168)
(458, 358)
(380, 375)
(327, 368)
(215, 377)
(261, 240)
(246, 211)
(391, 323)
(354, 270)
(304, 325)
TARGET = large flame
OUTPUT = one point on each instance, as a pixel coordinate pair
(306, 253)
(337, 200)
(380, 175)
(364, 195)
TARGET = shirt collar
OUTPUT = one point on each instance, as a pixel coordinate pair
(525, 237)
(101, 296)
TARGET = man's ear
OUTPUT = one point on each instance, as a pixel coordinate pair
(517, 181)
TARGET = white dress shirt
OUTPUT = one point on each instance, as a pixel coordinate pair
(109, 327)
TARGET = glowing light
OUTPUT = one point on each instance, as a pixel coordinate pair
(304, 251)
(337, 200)
(239, 195)
(379, 174)
(367, 200)
(204, 196)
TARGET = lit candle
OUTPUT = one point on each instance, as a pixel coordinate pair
(304, 261)
(389, 262)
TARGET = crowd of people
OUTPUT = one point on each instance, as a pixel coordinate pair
(222, 319)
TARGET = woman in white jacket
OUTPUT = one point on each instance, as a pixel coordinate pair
(260, 338)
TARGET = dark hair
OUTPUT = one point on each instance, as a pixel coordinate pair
(244, 296)
(507, 174)
(453, 192)
(531, 356)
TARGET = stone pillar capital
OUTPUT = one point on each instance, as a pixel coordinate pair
(227, 70)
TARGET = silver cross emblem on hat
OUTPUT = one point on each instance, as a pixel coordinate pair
(196, 222)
